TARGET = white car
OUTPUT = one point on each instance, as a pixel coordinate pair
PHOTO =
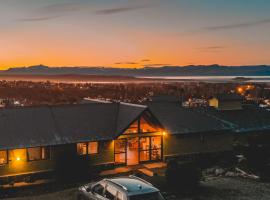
(122, 188)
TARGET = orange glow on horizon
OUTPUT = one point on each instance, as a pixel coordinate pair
(135, 46)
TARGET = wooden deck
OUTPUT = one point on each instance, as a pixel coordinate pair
(147, 169)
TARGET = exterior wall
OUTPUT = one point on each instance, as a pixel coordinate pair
(22, 166)
(252, 138)
(177, 145)
(105, 155)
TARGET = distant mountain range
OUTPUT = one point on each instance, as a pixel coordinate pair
(191, 70)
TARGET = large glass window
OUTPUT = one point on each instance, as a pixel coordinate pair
(133, 128)
(156, 142)
(38, 153)
(146, 126)
(156, 145)
(156, 154)
(87, 148)
(145, 143)
(150, 148)
(145, 149)
(3, 157)
(120, 148)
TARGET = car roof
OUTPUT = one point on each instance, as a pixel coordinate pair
(133, 185)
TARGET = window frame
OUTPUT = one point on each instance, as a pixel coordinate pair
(87, 148)
(41, 148)
(124, 152)
(151, 149)
(7, 158)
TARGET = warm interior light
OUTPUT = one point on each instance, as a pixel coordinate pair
(240, 90)
(164, 133)
(18, 158)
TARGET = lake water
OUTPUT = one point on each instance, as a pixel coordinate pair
(253, 79)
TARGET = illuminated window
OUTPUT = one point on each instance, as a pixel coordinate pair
(87, 148)
(150, 148)
(156, 145)
(82, 148)
(92, 147)
(156, 142)
(146, 126)
(3, 157)
(17, 155)
(120, 147)
(133, 128)
(38, 153)
(144, 149)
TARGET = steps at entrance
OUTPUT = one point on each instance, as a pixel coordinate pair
(146, 172)
(116, 171)
(150, 169)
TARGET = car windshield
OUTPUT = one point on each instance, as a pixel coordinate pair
(150, 196)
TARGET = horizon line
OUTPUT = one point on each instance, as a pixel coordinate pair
(3, 68)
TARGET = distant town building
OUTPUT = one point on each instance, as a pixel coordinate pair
(227, 102)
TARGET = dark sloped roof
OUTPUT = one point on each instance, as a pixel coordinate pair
(250, 118)
(52, 125)
(180, 120)
(229, 97)
(30, 126)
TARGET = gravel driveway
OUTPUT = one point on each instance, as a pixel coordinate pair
(212, 189)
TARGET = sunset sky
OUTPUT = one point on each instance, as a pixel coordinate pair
(134, 33)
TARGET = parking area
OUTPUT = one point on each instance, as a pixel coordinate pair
(212, 189)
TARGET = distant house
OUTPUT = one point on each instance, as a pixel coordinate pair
(226, 102)
(217, 128)
(248, 123)
(190, 131)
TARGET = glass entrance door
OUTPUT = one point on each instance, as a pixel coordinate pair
(120, 151)
(132, 151)
(150, 148)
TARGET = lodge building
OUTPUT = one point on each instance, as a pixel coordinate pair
(32, 139)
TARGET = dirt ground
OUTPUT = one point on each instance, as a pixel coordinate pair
(211, 189)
